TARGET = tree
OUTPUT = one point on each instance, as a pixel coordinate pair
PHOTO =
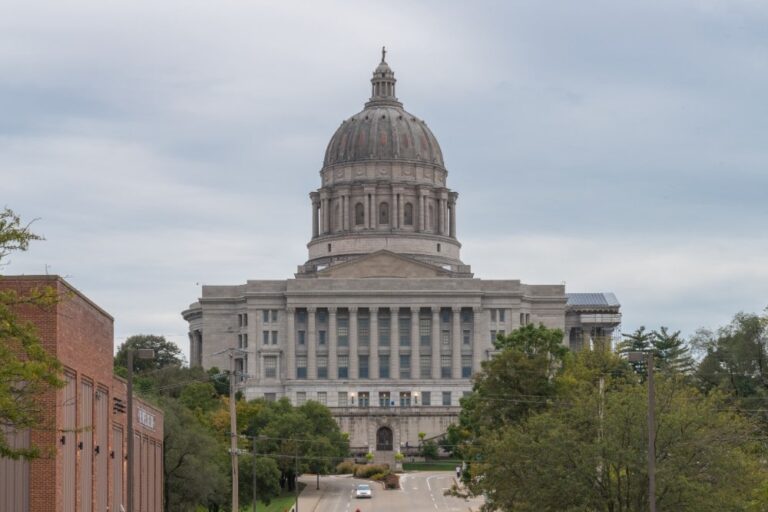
(670, 352)
(27, 371)
(587, 450)
(166, 353)
(516, 382)
(267, 479)
(638, 341)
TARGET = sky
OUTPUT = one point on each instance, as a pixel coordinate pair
(612, 146)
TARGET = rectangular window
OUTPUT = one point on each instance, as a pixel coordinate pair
(384, 399)
(445, 316)
(502, 333)
(502, 315)
(466, 315)
(405, 399)
(301, 367)
(321, 335)
(265, 316)
(383, 366)
(445, 338)
(322, 397)
(342, 331)
(322, 367)
(245, 341)
(270, 367)
(404, 325)
(239, 341)
(425, 366)
(239, 320)
(274, 315)
(467, 336)
(270, 397)
(265, 335)
(274, 337)
(301, 316)
(445, 366)
(446, 398)
(301, 397)
(363, 331)
(522, 318)
(362, 367)
(493, 315)
(425, 331)
(364, 399)
(343, 367)
(385, 324)
(343, 399)
(426, 398)
(405, 366)
(322, 316)
(527, 318)
(466, 366)
(245, 319)
(301, 337)
(493, 336)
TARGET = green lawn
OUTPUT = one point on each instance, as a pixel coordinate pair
(433, 465)
(279, 504)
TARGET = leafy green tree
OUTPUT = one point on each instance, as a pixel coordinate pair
(587, 450)
(638, 341)
(194, 464)
(516, 382)
(166, 353)
(27, 370)
(267, 479)
(670, 352)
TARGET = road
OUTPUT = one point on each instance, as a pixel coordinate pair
(420, 492)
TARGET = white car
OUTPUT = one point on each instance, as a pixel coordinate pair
(363, 491)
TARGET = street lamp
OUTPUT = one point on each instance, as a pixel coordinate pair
(142, 353)
(637, 357)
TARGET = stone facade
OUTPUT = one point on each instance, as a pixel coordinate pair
(384, 323)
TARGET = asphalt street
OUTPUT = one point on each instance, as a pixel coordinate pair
(421, 491)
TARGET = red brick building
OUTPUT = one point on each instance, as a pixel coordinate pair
(84, 441)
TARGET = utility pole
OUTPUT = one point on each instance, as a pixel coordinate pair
(233, 433)
(648, 357)
(254, 474)
(651, 436)
(296, 476)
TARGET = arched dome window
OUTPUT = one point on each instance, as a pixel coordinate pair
(359, 214)
(408, 214)
(337, 217)
(384, 213)
(431, 220)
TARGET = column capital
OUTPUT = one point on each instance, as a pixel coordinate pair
(373, 309)
(291, 309)
(352, 309)
(332, 311)
(477, 309)
(456, 309)
(311, 309)
(415, 309)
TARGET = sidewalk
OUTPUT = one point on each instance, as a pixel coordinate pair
(310, 496)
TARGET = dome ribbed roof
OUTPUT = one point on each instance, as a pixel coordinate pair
(383, 130)
(383, 133)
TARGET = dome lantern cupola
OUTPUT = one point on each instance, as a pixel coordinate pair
(383, 84)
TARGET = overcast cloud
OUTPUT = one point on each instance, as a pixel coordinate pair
(614, 146)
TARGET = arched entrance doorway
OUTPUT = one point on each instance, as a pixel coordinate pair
(384, 439)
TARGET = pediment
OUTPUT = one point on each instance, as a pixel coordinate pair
(384, 264)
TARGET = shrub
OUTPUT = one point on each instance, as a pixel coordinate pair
(367, 470)
(392, 481)
(378, 477)
(346, 467)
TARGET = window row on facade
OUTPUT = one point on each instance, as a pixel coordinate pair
(379, 398)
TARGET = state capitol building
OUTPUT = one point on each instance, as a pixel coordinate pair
(384, 323)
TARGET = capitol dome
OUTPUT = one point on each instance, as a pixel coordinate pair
(383, 131)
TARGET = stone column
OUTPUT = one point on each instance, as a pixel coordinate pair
(333, 368)
(436, 342)
(366, 210)
(290, 349)
(415, 344)
(315, 220)
(327, 215)
(373, 351)
(456, 339)
(481, 333)
(353, 342)
(394, 344)
(375, 211)
(311, 344)
(453, 220)
(344, 211)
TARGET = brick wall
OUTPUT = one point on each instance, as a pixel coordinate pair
(80, 335)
